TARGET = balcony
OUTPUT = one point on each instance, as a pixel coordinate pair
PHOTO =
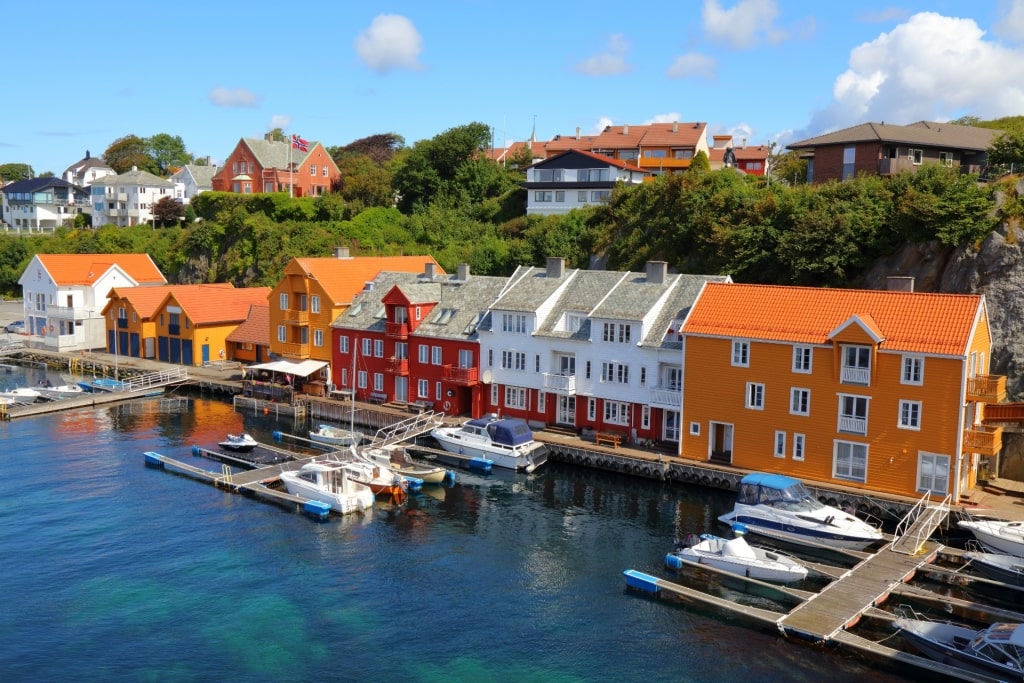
(983, 440)
(397, 366)
(986, 388)
(295, 317)
(295, 350)
(113, 213)
(560, 384)
(464, 376)
(667, 398)
(854, 375)
(849, 424)
(122, 197)
(397, 330)
(71, 313)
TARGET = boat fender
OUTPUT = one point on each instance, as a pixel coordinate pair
(196, 451)
(278, 436)
(447, 405)
(828, 520)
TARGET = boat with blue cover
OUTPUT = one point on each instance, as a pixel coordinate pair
(506, 441)
(781, 507)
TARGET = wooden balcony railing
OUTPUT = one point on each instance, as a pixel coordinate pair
(397, 330)
(986, 388)
(467, 376)
(397, 366)
(983, 440)
(291, 349)
(295, 317)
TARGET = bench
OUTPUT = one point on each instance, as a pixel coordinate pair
(608, 438)
(420, 406)
(378, 397)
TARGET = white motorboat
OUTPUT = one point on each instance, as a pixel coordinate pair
(335, 436)
(241, 443)
(396, 458)
(21, 395)
(994, 651)
(1006, 568)
(381, 479)
(996, 535)
(506, 441)
(328, 482)
(781, 507)
(59, 392)
(736, 556)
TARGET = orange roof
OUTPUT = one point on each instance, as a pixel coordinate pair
(85, 269)
(146, 300)
(907, 321)
(632, 137)
(343, 278)
(214, 305)
(255, 329)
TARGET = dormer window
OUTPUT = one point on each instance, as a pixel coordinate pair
(856, 365)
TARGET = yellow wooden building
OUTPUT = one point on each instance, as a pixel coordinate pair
(877, 390)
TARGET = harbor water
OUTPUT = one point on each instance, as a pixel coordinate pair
(115, 570)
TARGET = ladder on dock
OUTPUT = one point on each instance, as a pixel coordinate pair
(918, 525)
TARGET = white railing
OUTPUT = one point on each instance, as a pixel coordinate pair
(564, 384)
(672, 398)
(156, 379)
(853, 425)
(72, 312)
(852, 375)
(919, 524)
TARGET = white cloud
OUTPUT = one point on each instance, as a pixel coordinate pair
(234, 97)
(746, 24)
(670, 117)
(281, 121)
(390, 43)
(931, 67)
(602, 123)
(611, 62)
(693, 65)
(1010, 24)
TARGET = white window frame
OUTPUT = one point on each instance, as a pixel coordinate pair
(799, 446)
(798, 396)
(591, 408)
(857, 454)
(616, 412)
(423, 388)
(912, 370)
(424, 354)
(515, 397)
(314, 303)
(343, 344)
(378, 381)
(926, 479)
(435, 355)
(780, 443)
(740, 353)
(909, 415)
(645, 416)
(851, 422)
(378, 348)
(494, 394)
(367, 347)
(282, 301)
(802, 359)
(318, 337)
(855, 373)
(282, 333)
(695, 429)
(755, 396)
(361, 379)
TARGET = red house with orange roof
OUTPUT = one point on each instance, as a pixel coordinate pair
(875, 390)
(752, 160)
(656, 147)
(268, 165)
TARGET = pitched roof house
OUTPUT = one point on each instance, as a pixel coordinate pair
(42, 204)
(250, 341)
(574, 179)
(127, 198)
(87, 170)
(268, 165)
(751, 160)
(885, 149)
(656, 147)
(190, 180)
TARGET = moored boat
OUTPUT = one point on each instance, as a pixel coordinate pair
(1006, 568)
(781, 507)
(997, 535)
(101, 384)
(736, 556)
(59, 392)
(241, 443)
(328, 482)
(507, 442)
(997, 650)
(398, 460)
(335, 436)
(20, 395)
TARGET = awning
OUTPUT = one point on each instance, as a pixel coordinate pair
(301, 369)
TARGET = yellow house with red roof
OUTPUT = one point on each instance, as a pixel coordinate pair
(313, 292)
(874, 390)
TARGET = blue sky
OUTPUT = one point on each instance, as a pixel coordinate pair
(764, 70)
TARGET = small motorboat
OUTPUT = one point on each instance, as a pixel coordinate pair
(328, 482)
(505, 441)
(381, 479)
(996, 535)
(59, 392)
(994, 651)
(736, 556)
(782, 508)
(240, 443)
(21, 395)
(1006, 568)
(398, 459)
(99, 385)
(335, 436)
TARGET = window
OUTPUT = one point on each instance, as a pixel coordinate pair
(741, 353)
(932, 473)
(422, 388)
(695, 428)
(617, 373)
(643, 376)
(318, 337)
(591, 408)
(849, 160)
(513, 360)
(367, 346)
(314, 303)
(465, 358)
(515, 397)
(916, 156)
(586, 370)
(378, 381)
(798, 446)
(850, 461)
(581, 196)
(343, 344)
(424, 352)
(600, 195)
(490, 358)
(312, 169)
(378, 348)
(799, 401)
(513, 322)
(616, 412)
(683, 154)
(619, 333)
(913, 370)
(361, 378)
(856, 365)
(437, 391)
(282, 333)
(655, 154)
(645, 416)
(910, 415)
(401, 350)
(543, 196)
(494, 394)
(780, 444)
(325, 171)
(802, 359)
(755, 395)
(560, 196)
(853, 414)
(283, 301)
(435, 355)
(418, 312)
(946, 158)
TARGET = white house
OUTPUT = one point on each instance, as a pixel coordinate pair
(191, 180)
(574, 179)
(87, 170)
(64, 294)
(42, 204)
(128, 198)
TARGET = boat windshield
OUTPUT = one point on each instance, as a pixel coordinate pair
(1001, 643)
(795, 497)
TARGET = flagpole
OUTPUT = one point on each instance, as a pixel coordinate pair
(291, 171)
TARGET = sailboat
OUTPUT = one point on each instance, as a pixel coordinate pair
(336, 436)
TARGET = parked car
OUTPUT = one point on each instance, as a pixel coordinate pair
(16, 326)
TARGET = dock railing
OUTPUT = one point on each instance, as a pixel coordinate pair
(919, 524)
(407, 429)
(152, 380)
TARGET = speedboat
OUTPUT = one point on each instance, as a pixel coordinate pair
(736, 556)
(782, 508)
(506, 441)
(399, 461)
(381, 479)
(327, 482)
(335, 436)
(59, 392)
(997, 650)
(1006, 568)
(997, 535)
(241, 443)
(21, 395)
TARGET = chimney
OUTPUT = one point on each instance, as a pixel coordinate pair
(135, 168)
(899, 283)
(86, 154)
(577, 132)
(656, 272)
(341, 252)
(429, 270)
(675, 126)
(463, 272)
(556, 266)
(269, 137)
(209, 161)
(625, 129)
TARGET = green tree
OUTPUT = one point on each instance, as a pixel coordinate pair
(168, 151)
(129, 151)
(700, 162)
(277, 135)
(789, 168)
(380, 148)
(1007, 148)
(167, 211)
(12, 172)
(363, 181)
(430, 169)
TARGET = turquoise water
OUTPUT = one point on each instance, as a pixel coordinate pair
(113, 570)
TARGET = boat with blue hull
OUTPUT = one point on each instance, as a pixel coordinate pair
(781, 507)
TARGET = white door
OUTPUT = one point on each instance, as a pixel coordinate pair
(566, 410)
(401, 388)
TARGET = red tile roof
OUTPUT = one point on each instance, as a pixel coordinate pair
(907, 321)
(216, 305)
(85, 269)
(255, 329)
(343, 278)
(146, 300)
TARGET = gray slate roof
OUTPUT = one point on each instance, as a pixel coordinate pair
(924, 133)
(677, 307)
(581, 295)
(274, 154)
(135, 177)
(529, 287)
(203, 175)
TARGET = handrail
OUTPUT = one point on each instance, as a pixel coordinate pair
(155, 379)
(921, 521)
(407, 428)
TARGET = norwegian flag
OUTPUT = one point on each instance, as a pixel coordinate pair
(300, 144)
